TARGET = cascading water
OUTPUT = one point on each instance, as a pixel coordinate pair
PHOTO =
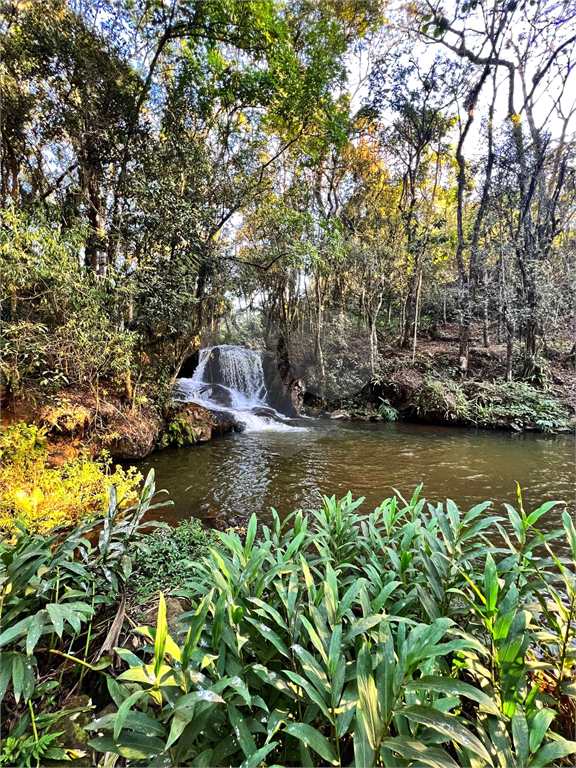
(231, 380)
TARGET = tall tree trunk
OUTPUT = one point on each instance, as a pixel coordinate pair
(410, 325)
(417, 317)
(318, 340)
(509, 349)
(95, 255)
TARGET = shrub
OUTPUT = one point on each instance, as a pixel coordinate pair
(387, 411)
(43, 496)
(518, 401)
(401, 638)
(53, 589)
(168, 555)
(178, 433)
(443, 399)
(61, 320)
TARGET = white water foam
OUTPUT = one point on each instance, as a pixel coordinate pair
(230, 380)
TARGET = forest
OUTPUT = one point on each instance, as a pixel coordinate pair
(263, 252)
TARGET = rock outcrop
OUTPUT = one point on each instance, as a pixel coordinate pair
(190, 423)
(285, 391)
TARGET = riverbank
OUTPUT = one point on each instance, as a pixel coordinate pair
(75, 422)
(423, 388)
(426, 387)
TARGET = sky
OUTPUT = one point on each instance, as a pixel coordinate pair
(555, 96)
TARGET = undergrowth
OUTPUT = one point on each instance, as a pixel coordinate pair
(402, 638)
(43, 496)
(489, 404)
(169, 554)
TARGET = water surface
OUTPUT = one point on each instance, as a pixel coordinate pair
(236, 475)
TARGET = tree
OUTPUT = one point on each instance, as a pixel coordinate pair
(419, 102)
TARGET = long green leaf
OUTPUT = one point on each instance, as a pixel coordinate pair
(123, 710)
(551, 752)
(161, 632)
(364, 754)
(312, 738)
(411, 749)
(448, 725)
(452, 687)
(241, 730)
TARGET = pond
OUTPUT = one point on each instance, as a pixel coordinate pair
(233, 476)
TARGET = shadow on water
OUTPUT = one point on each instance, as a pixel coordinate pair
(234, 476)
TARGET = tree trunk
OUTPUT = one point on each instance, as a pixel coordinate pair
(416, 317)
(410, 326)
(318, 341)
(95, 255)
(464, 351)
(509, 349)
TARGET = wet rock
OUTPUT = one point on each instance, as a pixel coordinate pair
(217, 393)
(188, 423)
(223, 424)
(339, 415)
(213, 518)
(268, 413)
(71, 724)
(285, 392)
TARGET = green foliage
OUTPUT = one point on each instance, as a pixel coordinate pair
(179, 433)
(61, 325)
(41, 496)
(51, 588)
(535, 370)
(443, 399)
(166, 557)
(517, 401)
(30, 751)
(387, 411)
(341, 639)
(497, 403)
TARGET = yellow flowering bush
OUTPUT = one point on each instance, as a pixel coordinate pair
(44, 496)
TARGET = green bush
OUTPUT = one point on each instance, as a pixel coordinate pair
(487, 404)
(169, 552)
(443, 399)
(53, 588)
(404, 638)
(518, 401)
(42, 496)
(62, 323)
(387, 411)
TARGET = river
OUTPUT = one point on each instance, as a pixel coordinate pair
(236, 475)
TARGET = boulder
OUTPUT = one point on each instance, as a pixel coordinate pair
(268, 413)
(285, 392)
(190, 423)
(135, 435)
(339, 415)
(403, 387)
(71, 725)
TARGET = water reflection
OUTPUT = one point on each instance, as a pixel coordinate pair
(251, 472)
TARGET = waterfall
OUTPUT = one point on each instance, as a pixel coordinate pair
(230, 379)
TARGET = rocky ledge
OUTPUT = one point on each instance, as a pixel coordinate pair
(75, 421)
